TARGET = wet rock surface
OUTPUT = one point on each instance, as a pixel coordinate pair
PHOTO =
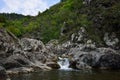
(53, 65)
(20, 70)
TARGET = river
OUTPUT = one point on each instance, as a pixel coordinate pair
(70, 75)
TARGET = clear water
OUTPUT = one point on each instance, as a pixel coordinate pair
(69, 75)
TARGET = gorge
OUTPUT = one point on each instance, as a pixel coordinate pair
(73, 40)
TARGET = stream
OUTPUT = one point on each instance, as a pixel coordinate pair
(70, 75)
(66, 73)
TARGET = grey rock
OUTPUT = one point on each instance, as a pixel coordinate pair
(25, 52)
(111, 40)
(15, 61)
(53, 65)
(80, 36)
(20, 70)
(35, 50)
(7, 43)
(3, 74)
(87, 2)
(102, 58)
(58, 49)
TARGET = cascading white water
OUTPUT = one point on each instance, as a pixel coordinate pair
(64, 63)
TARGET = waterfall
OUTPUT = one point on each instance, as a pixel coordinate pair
(64, 63)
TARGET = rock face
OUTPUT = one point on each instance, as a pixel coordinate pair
(80, 36)
(28, 53)
(37, 53)
(57, 48)
(35, 50)
(111, 40)
(15, 61)
(102, 58)
(7, 43)
(84, 53)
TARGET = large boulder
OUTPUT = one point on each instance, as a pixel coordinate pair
(35, 50)
(109, 59)
(15, 61)
(28, 44)
(101, 58)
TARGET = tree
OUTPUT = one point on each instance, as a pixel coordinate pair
(2, 19)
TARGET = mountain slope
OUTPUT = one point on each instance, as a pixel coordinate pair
(98, 17)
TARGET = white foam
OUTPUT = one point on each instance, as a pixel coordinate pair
(64, 63)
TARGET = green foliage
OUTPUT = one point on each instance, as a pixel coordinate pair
(12, 16)
(1, 25)
(14, 30)
(113, 15)
(84, 21)
(2, 19)
(104, 16)
(67, 5)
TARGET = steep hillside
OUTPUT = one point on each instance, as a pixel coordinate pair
(16, 23)
(98, 17)
(65, 18)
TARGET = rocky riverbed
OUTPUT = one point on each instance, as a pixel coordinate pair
(29, 55)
